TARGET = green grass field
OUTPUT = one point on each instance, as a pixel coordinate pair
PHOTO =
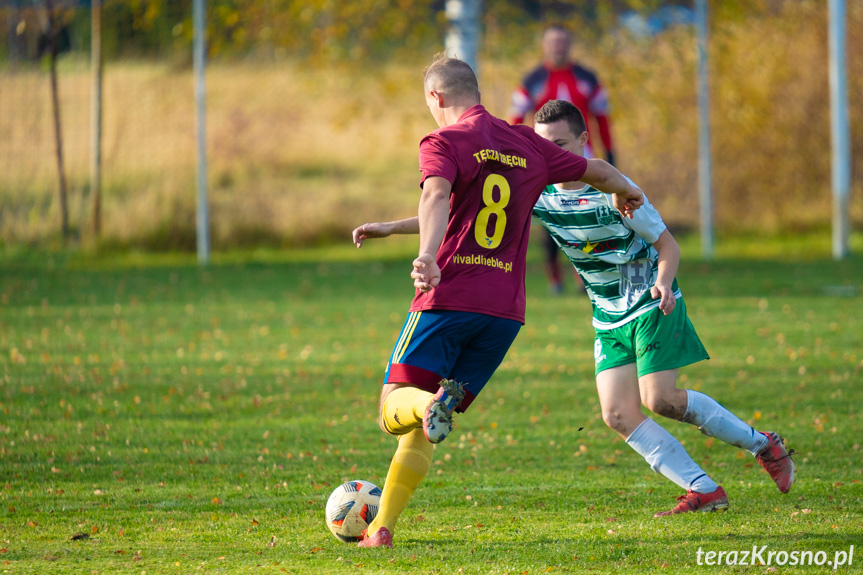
(160, 418)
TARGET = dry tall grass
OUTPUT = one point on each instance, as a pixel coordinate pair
(300, 155)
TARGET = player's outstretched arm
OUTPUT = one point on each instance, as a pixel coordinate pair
(433, 218)
(605, 178)
(669, 259)
(384, 229)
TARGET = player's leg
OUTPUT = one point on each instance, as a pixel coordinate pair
(401, 407)
(404, 408)
(660, 394)
(552, 266)
(615, 353)
(618, 397)
(621, 410)
(666, 343)
(768, 447)
(428, 349)
(409, 466)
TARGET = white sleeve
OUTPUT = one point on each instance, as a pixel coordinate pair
(646, 221)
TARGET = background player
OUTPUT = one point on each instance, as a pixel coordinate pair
(558, 77)
(480, 180)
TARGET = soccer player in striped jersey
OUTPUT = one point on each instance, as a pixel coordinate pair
(643, 334)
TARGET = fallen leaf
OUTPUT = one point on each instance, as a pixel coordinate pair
(80, 536)
(94, 529)
(216, 501)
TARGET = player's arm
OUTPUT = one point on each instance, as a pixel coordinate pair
(605, 178)
(384, 229)
(521, 105)
(433, 216)
(669, 260)
(599, 109)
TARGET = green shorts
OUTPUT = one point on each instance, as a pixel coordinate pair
(653, 341)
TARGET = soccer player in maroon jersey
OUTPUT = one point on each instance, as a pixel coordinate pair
(480, 180)
(558, 77)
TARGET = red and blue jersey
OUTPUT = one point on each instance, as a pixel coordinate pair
(497, 172)
(572, 83)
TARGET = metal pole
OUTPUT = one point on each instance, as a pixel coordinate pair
(462, 38)
(96, 115)
(705, 192)
(203, 219)
(839, 130)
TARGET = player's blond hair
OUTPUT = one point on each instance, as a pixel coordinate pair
(451, 76)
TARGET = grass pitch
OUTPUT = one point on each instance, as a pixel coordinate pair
(156, 417)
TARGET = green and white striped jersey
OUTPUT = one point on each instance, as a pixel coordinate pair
(614, 256)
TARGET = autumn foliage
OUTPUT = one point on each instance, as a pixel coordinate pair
(314, 115)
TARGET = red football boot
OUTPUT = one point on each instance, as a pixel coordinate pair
(692, 501)
(777, 461)
(382, 538)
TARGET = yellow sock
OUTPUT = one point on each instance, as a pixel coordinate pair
(409, 466)
(403, 409)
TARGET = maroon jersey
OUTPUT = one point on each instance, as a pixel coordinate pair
(497, 172)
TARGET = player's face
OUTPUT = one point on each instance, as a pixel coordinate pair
(555, 47)
(560, 133)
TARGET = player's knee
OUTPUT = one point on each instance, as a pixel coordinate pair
(615, 420)
(666, 406)
(382, 423)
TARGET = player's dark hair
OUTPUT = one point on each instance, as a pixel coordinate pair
(451, 76)
(556, 110)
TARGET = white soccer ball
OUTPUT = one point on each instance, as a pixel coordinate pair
(351, 507)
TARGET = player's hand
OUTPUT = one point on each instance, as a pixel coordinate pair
(426, 273)
(627, 203)
(665, 295)
(369, 231)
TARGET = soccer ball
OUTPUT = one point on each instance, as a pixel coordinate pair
(351, 508)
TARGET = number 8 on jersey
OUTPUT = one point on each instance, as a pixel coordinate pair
(491, 207)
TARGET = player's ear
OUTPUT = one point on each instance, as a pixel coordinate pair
(583, 137)
(437, 97)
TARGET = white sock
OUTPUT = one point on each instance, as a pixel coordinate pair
(714, 420)
(667, 456)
